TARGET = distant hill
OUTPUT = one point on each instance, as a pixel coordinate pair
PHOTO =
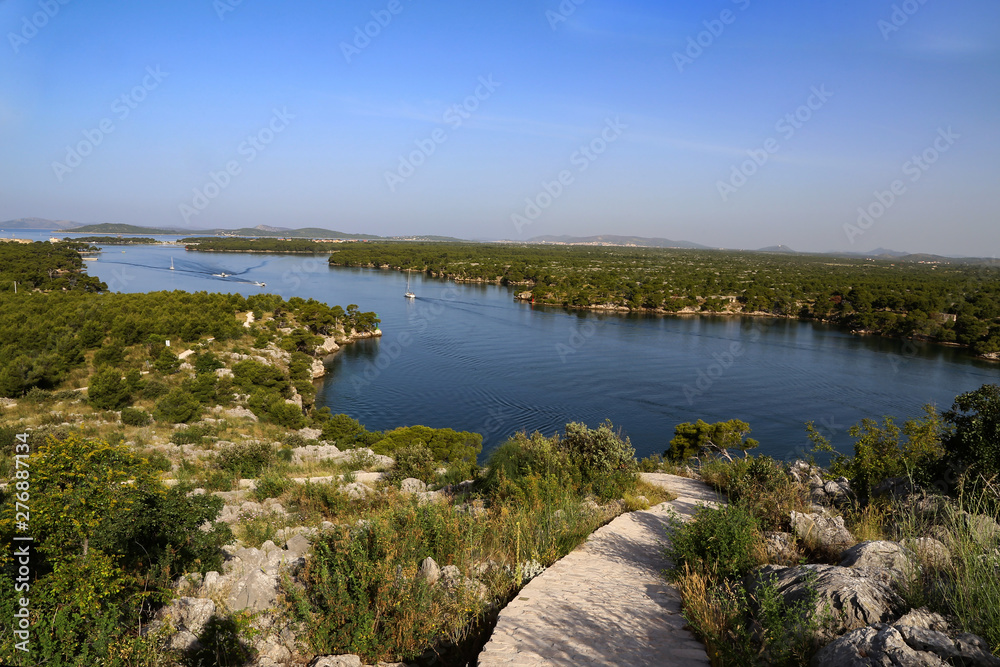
(278, 232)
(885, 252)
(776, 248)
(612, 239)
(38, 223)
(109, 228)
(269, 228)
(426, 237)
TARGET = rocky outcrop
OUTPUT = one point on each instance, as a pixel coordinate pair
(823, 531)
(241, 413)
(780, 548)
(247, 509)
(931, 552)
(880, 554)
(429, 571)
(412, 485)
(918, 638)
(328, 346)
(981, 529)
(840, 598)
(833, 492)
(249, 581)
(327, 452)
(310, 433)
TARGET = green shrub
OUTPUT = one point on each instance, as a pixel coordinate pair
(271, 485)
(362, 594)
(194, 435)
(136, 417)
(342, 430)
(108, 390)
(414, 461)
(153, 389)
(158, 461)
(973, 445)
(690, 439)
(652, 463)
(763, 629)
(598, 451)
(249, 374)
(221, 644)
(167, 362)
(206, 363)
(177, 407)
(286, 415)
(717, 540)
(220, 480)
(445, 444)
(245, 460)
(761, 485)
(109, 540)
(111, 354)
(522, 457)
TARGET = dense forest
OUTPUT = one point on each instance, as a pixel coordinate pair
(945, 302)
(206, 244)
(67, 323)
(45, 266)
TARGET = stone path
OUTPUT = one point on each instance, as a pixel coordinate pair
(606, 603)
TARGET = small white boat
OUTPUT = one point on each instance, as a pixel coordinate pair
(171, 263)
(409, 294)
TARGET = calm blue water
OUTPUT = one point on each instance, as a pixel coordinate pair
(470, 358)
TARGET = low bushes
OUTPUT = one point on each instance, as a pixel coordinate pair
(245, 460)
(415, 461)
(363, 593)
(761, 485)
(136, 417)
(717, 541)
(594, 461)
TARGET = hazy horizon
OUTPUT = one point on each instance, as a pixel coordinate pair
(734, 124)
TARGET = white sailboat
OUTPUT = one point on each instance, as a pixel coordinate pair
(409, 294)
(171, 263)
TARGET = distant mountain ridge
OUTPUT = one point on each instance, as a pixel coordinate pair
(614, 239)
(112, 228)
(39, 223)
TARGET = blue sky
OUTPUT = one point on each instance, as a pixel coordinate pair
(652, 133)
